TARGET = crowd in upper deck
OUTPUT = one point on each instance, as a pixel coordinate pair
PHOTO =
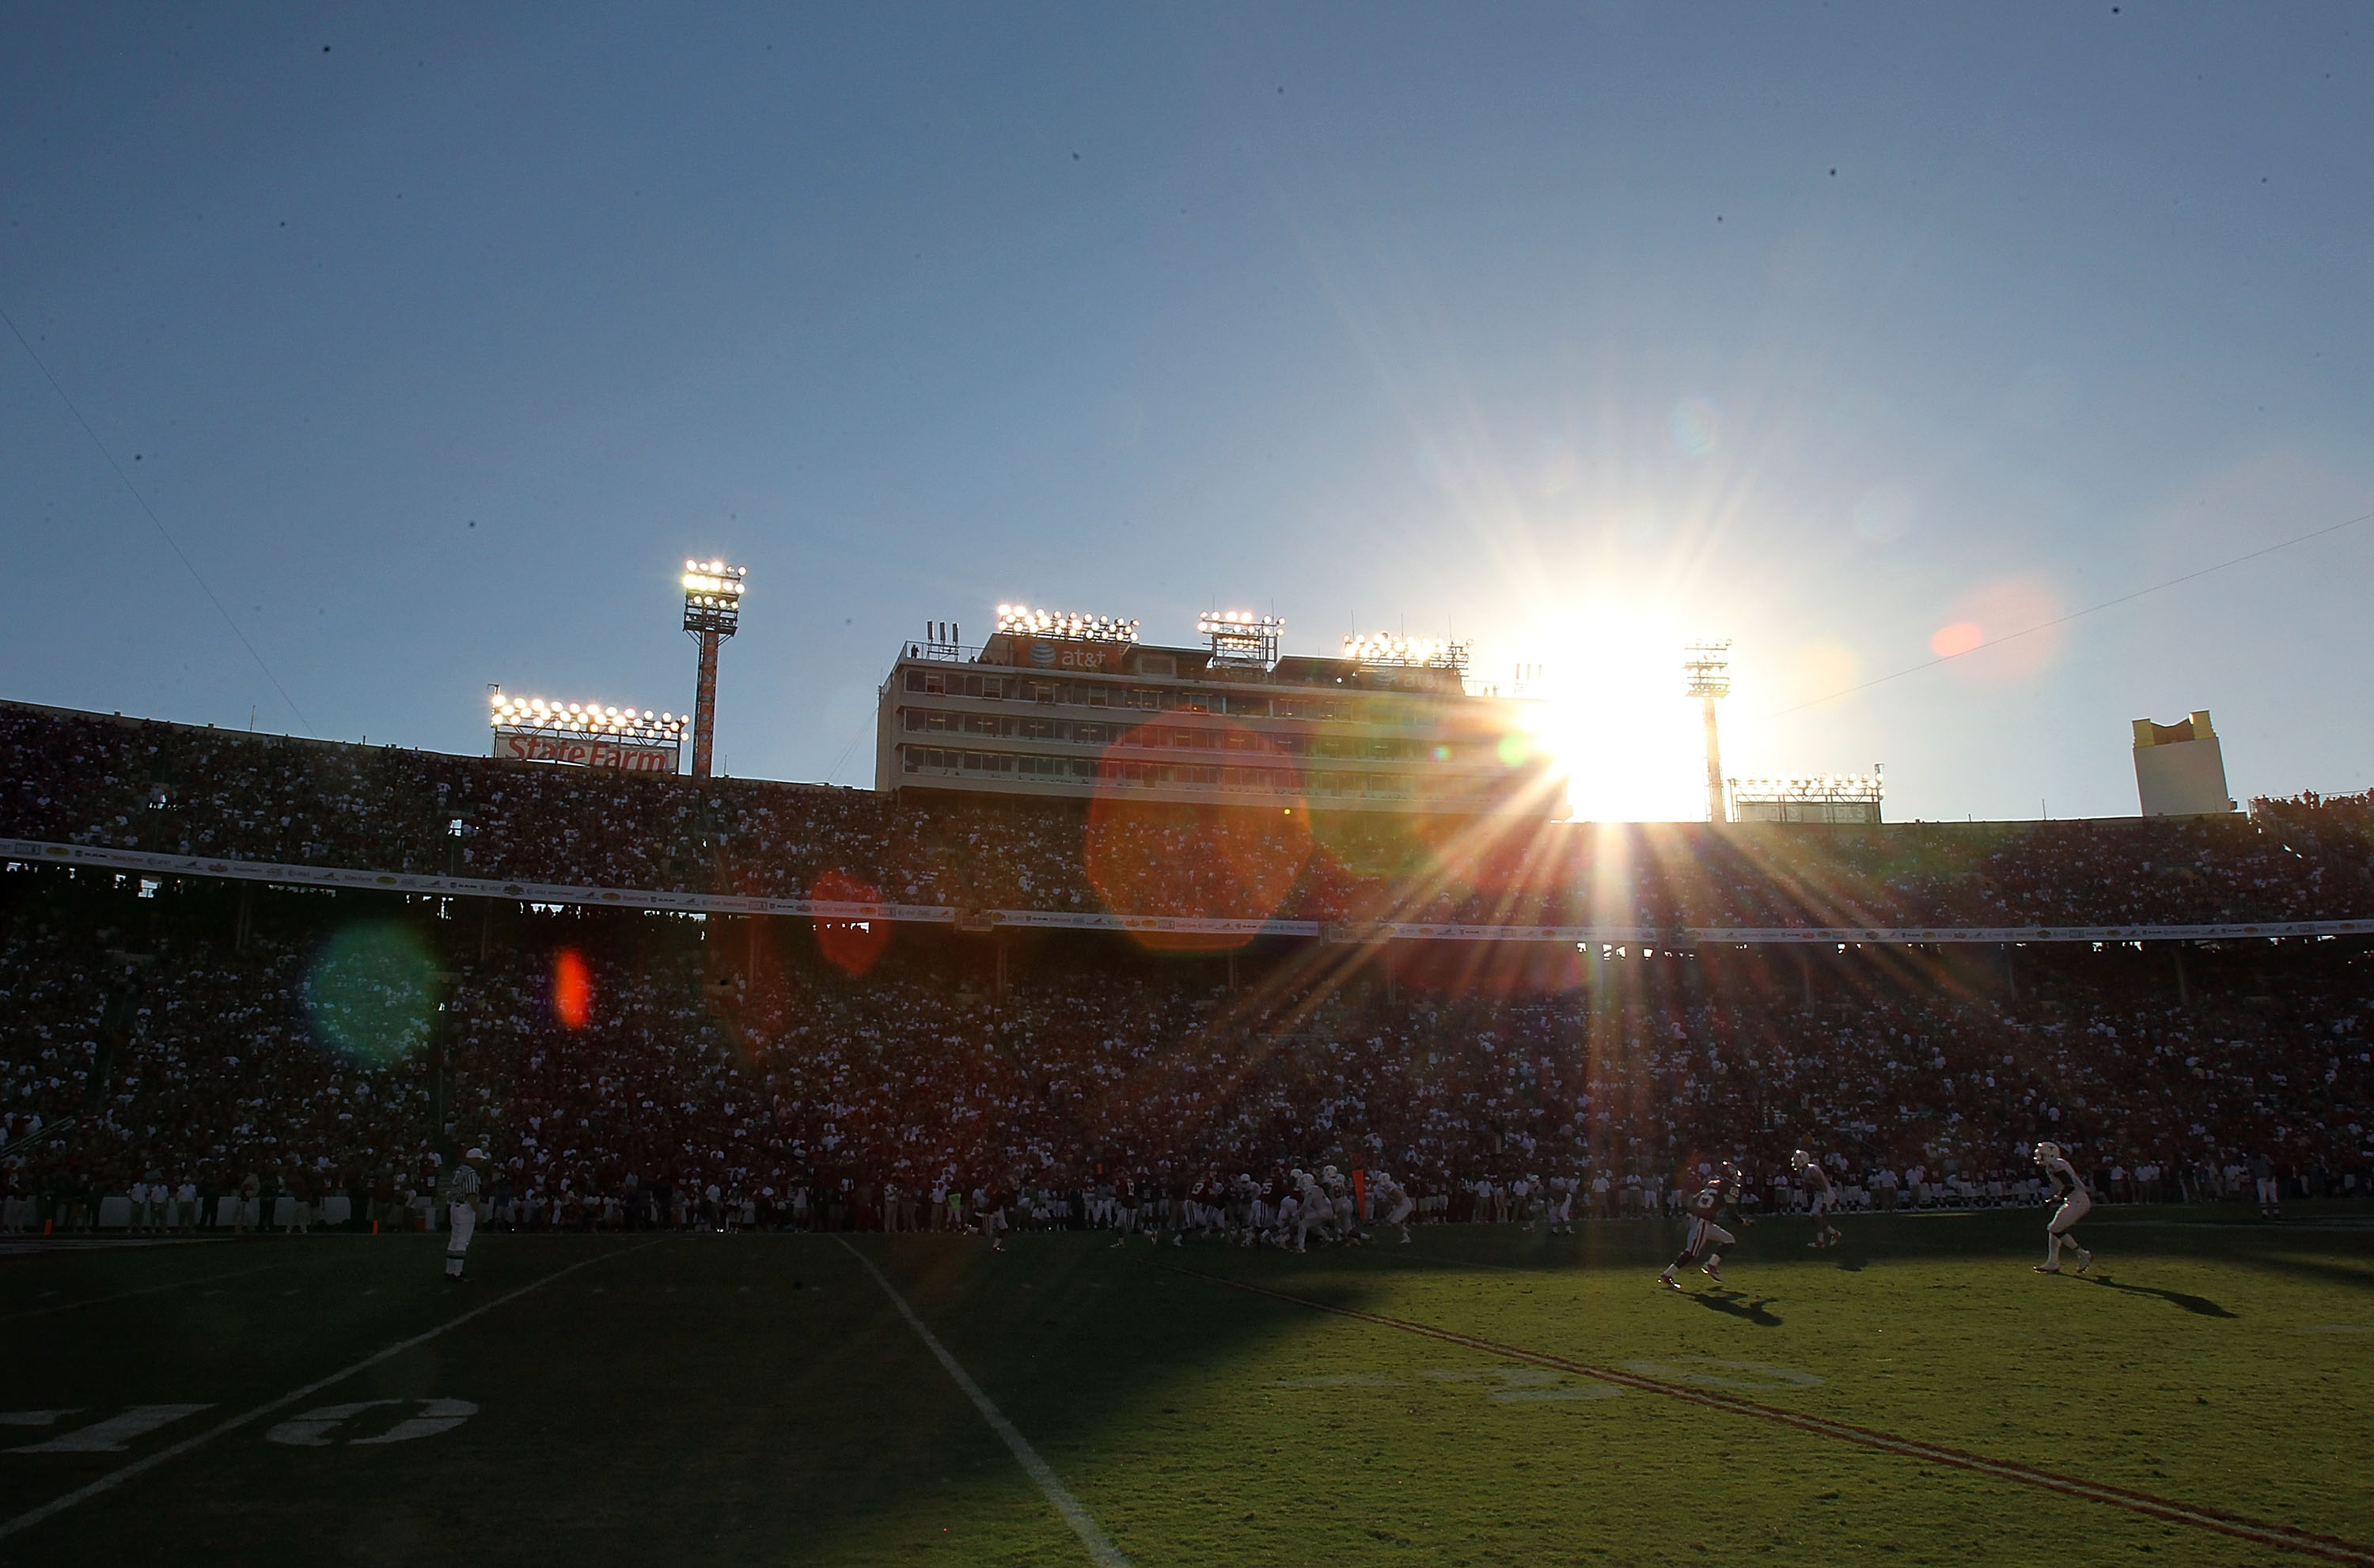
(98, 780)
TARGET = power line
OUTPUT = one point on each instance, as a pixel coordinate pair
(163, 532)
(2064, 620)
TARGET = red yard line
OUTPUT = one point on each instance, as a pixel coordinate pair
(2330, 1548)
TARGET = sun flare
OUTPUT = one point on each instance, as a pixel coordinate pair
(1609, 706)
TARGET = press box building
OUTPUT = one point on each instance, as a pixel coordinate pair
(1064, 707)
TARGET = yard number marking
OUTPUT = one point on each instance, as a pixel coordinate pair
(111, 1435)
(123, 1473)
(312, 1429)
(1695, 1369)
(2285, 1536)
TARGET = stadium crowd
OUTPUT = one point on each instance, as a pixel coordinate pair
(95, 779)
(659, 1069)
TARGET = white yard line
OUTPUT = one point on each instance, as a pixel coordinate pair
(116, 1478)
(1092, 1535)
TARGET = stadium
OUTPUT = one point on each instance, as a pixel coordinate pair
(774, 1045)
(1634, 827)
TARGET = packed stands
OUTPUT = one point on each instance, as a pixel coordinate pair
(207, 1034)
(93, 780)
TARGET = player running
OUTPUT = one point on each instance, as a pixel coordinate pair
(2075, 1203)
(1819, 1197)
(1704, 1209)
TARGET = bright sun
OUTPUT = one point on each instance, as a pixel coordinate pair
(1612, 710)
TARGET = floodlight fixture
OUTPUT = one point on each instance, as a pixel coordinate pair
(712, 611)
(713, 597)
(1022, 620)
(1853, 788)
(641, 726)
(1705, 667)
(1421, 652)
(1240, 636)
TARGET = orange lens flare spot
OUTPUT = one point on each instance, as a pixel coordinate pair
(849, 946)
(572, 989)
(1948, 642)
(1156, 857)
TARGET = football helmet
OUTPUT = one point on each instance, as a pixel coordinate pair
(1800, 1159)
(2047, 1152)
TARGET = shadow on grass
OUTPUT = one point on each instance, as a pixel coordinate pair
(2327, 1269)
(2201, 1307)
(1734, 1303)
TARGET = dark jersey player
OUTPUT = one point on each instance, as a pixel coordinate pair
(1707, 1236)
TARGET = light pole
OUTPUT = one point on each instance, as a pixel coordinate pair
(712, 611)
(1708, 667)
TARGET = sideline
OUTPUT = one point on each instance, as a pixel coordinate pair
(2281, 1536)
(1092, 1535)
(116, 1478)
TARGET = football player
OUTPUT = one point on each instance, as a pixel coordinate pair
(1561, 1188)
(1313, 1211)
(1704, 1209)
(1393, 1201)
(1819, 1197)
(2075, 1202)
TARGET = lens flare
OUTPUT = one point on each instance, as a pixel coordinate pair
(1696, 423)
(572, 989)
(1156, 857)
(372, 993)
(849, 946)
(2017, 620)
(1948, 642)
(1885, 513)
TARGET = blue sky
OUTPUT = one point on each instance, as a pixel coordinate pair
(437, 338)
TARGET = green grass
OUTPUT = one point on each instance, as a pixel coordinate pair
(757, 1398)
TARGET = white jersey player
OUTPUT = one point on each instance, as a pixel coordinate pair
(2075, 1203)
(1393, 1201)
(1562, 1188)
(1313, 1211)
(461, 1211)
(1819, 1197)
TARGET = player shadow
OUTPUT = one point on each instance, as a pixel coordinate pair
(1734, 1304)
(2201, 1307)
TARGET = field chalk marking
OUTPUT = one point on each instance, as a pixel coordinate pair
(1092, 1535)
(116, 1478)
(2330, 1548)
(143, 1291)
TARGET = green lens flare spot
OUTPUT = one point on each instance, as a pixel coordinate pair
(372, 993)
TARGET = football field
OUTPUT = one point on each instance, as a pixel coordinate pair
(1487, 1396)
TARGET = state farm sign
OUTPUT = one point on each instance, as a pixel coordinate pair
(584, 751)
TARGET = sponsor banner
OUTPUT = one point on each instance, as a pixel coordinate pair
(30, 851)
(584, 751)
(1101, 656)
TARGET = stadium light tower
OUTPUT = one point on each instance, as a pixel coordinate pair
(712, 611)
(1706, 666)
